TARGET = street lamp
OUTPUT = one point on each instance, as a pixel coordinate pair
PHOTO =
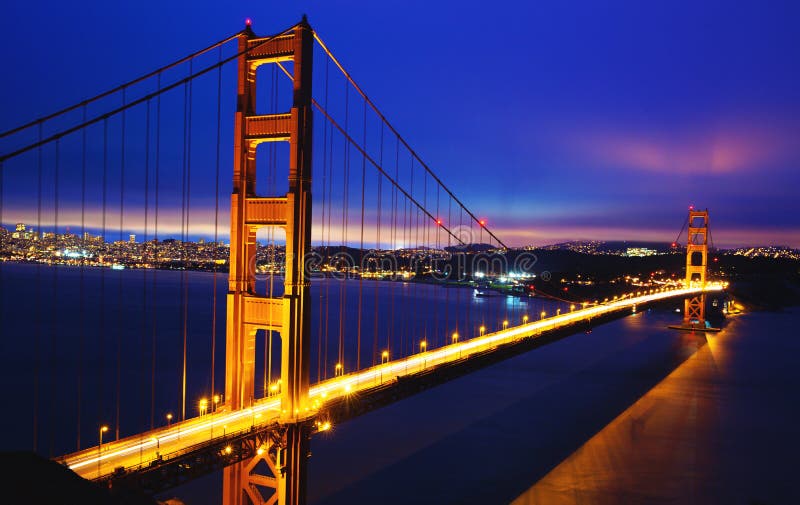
(505, 324)
(203, 406)
(337, 370)
(525, 319)
(558, 312)
(422, 347)
(543, 314)
(482, 329)
(274, 387)
(216, 402)
(169, 419)
(455, 341)
(572, 308)
(384, 359)
(103, 429)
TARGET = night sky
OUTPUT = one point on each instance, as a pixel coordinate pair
(555, 120)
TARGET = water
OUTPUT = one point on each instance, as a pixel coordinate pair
(629, 413)
(72, 338)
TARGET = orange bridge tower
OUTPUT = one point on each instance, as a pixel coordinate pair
(277, 473)
(694, 314)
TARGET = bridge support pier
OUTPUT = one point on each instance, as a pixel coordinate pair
(277, 473)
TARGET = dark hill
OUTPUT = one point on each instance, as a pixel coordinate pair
(32, 480)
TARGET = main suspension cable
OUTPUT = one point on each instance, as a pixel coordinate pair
(140, 100)
(352, 142)
(121, 87)
(402, 140)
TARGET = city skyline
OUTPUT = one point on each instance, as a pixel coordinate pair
(588, 131)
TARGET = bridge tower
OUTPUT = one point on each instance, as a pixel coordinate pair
(277, 473)
(694, 314)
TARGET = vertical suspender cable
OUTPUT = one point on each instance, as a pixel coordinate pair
(38, 332)
(323, 294)
(183, 245)
(119, 278)
(157, 260)
(361, 246)
(104, 252)
(145, 255)
(82, 293)
(329, 168)
(188, 221)
(378, 258)
(450, 272)
(216, 230)
(426, 242)
(390, 333)
(54, 308)
(346, 186)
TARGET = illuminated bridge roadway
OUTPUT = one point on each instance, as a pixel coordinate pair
(141, 451)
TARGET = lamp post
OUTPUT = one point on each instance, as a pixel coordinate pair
(572, 308)
(505, 324)
(455, 341)
(203, 406)
(543, 314)
(337, 371)
(103, 429)
(384, 359)
(482, 330)
(422, 347)
(525, 319)
(216, 400)
(169, 419)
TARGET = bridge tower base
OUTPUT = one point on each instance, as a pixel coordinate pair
(277, 474)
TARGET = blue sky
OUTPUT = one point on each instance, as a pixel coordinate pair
(555, 120)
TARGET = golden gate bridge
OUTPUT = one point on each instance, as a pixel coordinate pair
(146, 159)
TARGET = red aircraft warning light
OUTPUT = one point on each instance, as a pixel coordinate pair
(482, 222)
(439, 222)
(248, 21)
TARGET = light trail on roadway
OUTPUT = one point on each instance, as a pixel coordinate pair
(145, 448)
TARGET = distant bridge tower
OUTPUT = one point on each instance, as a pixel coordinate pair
(694, 314)
(277, 473)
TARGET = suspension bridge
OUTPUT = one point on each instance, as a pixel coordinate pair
(133, 180)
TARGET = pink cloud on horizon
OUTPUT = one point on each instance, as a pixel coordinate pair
(724, 150)
(722, 238)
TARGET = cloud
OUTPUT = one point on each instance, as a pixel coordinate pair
(736, 237)
(726, 149)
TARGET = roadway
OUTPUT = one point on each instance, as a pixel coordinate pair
(144, 448)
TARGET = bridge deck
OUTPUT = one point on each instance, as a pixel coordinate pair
(140, 451)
